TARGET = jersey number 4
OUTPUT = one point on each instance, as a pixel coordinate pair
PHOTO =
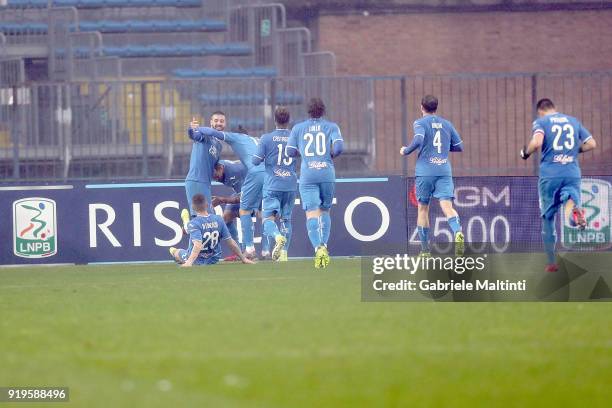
(437, 142)
(568, 131)
(318, 140)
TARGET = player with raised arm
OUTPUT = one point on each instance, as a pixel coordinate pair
(205, 154)
(562, 138)
(231, 174)
(244, 146)
(318, 141)
(206, 231)
(435, 137)
(280, 184)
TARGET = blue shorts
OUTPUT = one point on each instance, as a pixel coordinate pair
(440, 187)
(184, 255)
(232, 208)
(252, 191)
(317, 196)
(555, 191)
(278, 202)
(192, 188)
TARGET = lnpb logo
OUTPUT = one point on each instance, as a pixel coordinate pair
(34, 228)
(595, 195)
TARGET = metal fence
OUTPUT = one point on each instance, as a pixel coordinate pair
(135, 130)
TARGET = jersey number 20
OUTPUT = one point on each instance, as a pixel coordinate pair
(318, 140)
(569, 142)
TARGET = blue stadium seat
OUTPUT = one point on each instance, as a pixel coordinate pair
(103, 3)
(282, 98)
(267, 72)
(127, 26)
(251, 125)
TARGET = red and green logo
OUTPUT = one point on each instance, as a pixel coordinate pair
(34, 228)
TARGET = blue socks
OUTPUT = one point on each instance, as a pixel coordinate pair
(246, 224)
(424, 236)
(454, 224)
(314, 232)
(325, 220)
(549, 237)
(270, 228)
(231, 226)
(286, 229)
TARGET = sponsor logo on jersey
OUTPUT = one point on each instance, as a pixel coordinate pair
(563, 159)
(34, 228)
(317, 165)
(282, 173)
(438, 161)
(595, 195)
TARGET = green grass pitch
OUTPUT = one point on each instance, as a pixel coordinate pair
(287, 335)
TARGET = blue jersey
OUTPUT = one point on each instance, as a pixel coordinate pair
(245, 147)
(563, 136)
(234, 173)
(314, 139)
(210, 231)
(280, 168)
(438, 136)
(205, 154)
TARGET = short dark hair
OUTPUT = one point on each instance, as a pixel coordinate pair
(282, 116)
(316, 108)
(242, 129)
(545, 104)
(429, 103)
(199, 202)
(217, 113)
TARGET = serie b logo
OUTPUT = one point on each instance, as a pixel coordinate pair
(596, 196)
(34, 228)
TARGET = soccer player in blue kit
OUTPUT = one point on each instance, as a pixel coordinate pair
(205, 154)
(435, 137)
(280, 184)
(244, 146)
(231, 174)
(318, 141)
(206, 231)
(562, 138)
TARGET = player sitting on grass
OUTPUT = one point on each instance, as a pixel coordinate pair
(205, 233)
(280, 184)
(561, 138)
(435, 137)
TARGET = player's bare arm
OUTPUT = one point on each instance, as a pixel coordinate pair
(236, 249)
(197, 248)
(588, 145)
(536, 142)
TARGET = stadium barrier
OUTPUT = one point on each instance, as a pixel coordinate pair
(109, 130)
(135, 222)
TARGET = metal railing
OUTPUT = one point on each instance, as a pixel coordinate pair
(136, 129)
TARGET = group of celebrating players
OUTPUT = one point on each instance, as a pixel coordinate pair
(265, 180)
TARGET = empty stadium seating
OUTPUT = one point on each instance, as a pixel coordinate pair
(102, 3)
(226, 73)
(126, 26)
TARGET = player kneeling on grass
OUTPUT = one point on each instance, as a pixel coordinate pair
(435, 137)
(205, 233)
(562, 138)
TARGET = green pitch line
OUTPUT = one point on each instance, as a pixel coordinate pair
(287, 335)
